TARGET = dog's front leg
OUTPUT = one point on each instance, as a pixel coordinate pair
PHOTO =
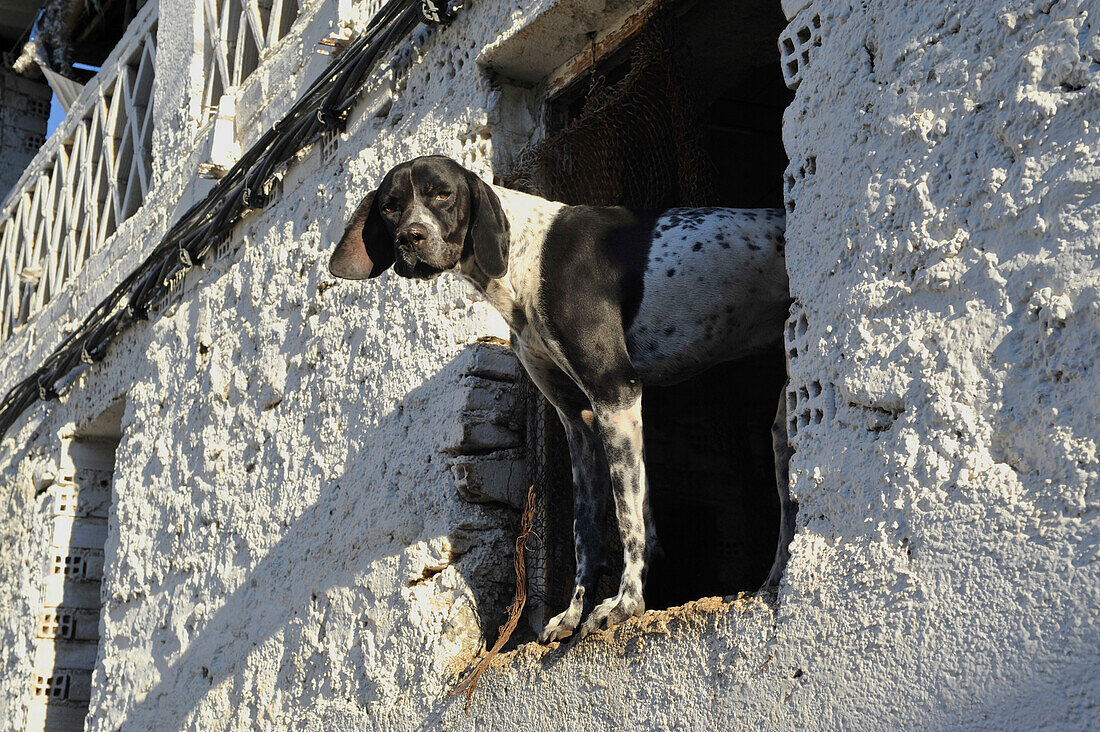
(590, 478)
(619, 425)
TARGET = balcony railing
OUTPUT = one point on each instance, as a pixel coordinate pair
(90, 176)
(237, 34)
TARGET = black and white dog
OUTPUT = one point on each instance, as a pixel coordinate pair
(600, 302)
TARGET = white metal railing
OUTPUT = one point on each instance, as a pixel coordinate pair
(237, 34)
(90, 176)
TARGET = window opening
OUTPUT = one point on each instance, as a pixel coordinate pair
(688, 112)
(67, 630)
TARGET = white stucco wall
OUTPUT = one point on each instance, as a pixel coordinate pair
(287, 548)
(943, 253)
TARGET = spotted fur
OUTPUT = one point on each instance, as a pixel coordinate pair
(715, 290)
(600, 302)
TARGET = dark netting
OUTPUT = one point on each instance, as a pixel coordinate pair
(636, 141)
(550, 563)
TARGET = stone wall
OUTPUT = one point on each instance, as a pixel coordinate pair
(25, 105)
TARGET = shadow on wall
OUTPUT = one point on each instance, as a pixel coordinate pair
(355, 620)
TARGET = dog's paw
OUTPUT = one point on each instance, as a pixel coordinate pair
(613, 611)
(563, 625)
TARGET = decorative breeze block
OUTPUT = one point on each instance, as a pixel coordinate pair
(796, 44)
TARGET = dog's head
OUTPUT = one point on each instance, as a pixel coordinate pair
(428, 216)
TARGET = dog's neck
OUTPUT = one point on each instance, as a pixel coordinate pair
(513, 295)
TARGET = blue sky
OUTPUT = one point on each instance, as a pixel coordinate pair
(57, 115)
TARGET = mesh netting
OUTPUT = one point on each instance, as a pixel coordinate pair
(550, 563)
(636, 141)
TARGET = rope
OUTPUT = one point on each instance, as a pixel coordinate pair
(514, 610)
(247, 186)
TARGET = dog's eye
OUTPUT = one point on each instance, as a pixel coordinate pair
(389, 208)
(443, 196)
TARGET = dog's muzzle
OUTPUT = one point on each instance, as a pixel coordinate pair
(411, 236)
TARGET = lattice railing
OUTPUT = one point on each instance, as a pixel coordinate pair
(91, 175)
(237, 34)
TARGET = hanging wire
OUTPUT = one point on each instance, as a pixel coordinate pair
(324, 106)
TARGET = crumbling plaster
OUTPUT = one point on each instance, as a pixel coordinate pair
(287, 548)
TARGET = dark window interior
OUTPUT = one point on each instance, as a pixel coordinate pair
(708, 440)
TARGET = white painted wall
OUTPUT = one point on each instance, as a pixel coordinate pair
(282, 483)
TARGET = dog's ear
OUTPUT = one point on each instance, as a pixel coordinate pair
(366, 248)
(488, 232)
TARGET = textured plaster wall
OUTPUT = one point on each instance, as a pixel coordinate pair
(287, 547)
(943, 249)
(946, 256)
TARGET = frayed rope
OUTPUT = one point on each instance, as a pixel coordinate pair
(514, 610)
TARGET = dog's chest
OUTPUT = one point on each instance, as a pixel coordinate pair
(516, 295)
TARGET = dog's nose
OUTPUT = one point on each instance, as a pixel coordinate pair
(413, 234)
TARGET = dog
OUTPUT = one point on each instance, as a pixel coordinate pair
(601, 301)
